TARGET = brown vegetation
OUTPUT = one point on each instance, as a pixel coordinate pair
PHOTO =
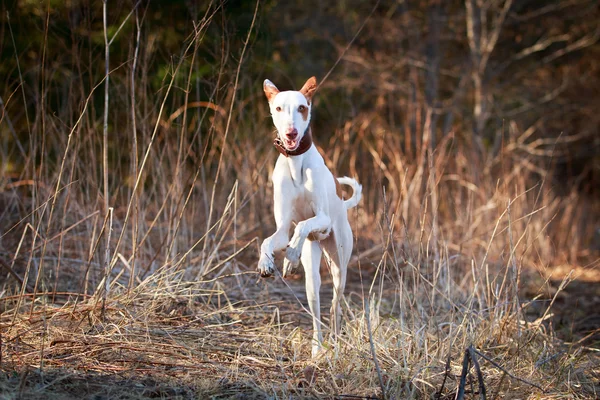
(131, 203)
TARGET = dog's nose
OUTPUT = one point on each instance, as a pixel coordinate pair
(291, 133)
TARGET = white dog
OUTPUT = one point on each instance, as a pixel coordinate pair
(309, 196)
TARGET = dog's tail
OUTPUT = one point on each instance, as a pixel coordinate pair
(357, 191)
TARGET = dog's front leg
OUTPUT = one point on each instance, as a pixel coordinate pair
(283, 218)
(277, 241)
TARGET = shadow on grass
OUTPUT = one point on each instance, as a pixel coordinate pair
(61, 383)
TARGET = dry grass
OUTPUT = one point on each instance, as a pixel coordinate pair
(234, 338)
(156, 295)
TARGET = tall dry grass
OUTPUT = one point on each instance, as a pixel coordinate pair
(130, 230)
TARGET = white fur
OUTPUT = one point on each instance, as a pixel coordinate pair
(305, 195)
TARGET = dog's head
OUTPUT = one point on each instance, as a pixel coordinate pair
(290, 111)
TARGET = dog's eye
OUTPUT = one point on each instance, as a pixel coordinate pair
(301, 108)
(277, 108)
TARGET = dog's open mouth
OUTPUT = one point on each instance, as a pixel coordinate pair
(290, 144)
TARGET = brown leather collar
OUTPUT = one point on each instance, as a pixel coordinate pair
(305, 144)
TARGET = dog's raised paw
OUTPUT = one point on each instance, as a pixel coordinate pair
(291, 261)
(288, 267)
(293, 255)
(266, 267)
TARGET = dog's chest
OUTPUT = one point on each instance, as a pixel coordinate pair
(302, 204)
(297, 190)
(301, 196)
(296, 171)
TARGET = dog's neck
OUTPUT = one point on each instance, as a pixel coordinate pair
(305, 144)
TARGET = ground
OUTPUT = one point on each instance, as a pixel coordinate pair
(249, 342)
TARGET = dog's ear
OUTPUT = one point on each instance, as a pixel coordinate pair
(270, 90)
(309, 88)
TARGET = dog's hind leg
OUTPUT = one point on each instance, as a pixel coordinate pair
(338, 249)
(311, 261)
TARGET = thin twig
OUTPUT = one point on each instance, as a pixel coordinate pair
(134, 162)
(473, 356)
(348, 45)
(227, 127)
(105, 153)
(506, 372)
(373, 353)
(106, 98)
(460, 394)
(13, 273)
(438, 395)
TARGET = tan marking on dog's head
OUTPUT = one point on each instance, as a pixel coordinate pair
(309, 89)
(270, 90)
(338, 188)
(303, 110)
